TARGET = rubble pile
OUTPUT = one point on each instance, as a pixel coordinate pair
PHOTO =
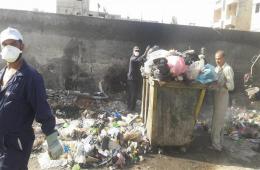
(243, 124)
(63, 103)
(61, 97)
(106, 135)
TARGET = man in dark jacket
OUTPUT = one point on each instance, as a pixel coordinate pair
(22, 99)
(132, 77)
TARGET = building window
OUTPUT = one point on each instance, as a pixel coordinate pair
(257, 8)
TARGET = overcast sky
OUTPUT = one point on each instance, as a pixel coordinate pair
(199, 12)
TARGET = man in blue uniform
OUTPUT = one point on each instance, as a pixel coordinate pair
(22, 99)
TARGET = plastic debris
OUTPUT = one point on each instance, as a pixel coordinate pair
(207, 74)
(133, 135)
(243, 124)
(194, 70)
(104, 134)
(177, 65)
(80, 156)
(120, 161)
(46, 162)
(76, 167)
(117, 116)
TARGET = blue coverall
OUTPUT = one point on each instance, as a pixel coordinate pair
(22, 100)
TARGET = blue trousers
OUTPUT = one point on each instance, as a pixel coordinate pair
(15, 153)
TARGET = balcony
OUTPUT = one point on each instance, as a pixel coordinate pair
(230, 21)
(218, 2)
(218, 5)
(217, 24)
(217, 15)
(231, 1)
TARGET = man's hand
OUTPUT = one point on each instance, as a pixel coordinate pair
(54, 146)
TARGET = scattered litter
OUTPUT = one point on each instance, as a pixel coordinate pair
(105, 135)
(76, 167)
(243, 124)
(46, 162)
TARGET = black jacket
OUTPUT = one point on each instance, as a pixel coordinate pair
(134, 67)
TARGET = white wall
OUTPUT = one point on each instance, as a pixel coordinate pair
(255, 22)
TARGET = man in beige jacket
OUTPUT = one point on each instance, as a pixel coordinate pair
(221, 98)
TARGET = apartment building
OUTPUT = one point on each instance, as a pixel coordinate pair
(72, 7)
(233, 14)
(81, 8)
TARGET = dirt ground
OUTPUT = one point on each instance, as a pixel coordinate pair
(237, 155)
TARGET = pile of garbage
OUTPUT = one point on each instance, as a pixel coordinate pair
(69, 103)
(96, 139)
(243, 124)
(251, 88)
(171, 65)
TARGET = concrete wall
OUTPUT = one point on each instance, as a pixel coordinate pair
(77, 52)
(244, 15)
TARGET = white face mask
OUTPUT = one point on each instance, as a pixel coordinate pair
(10, 53)
(136, 53)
